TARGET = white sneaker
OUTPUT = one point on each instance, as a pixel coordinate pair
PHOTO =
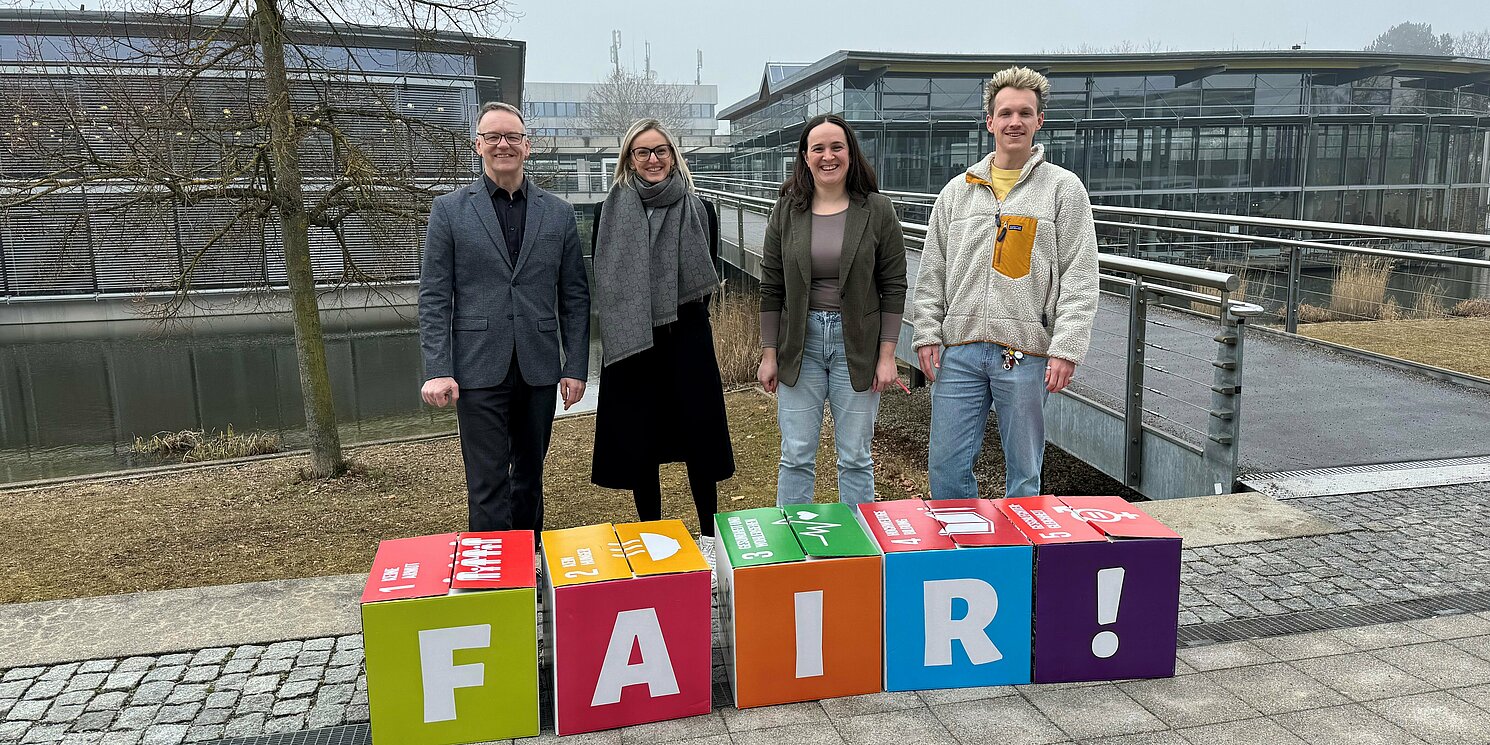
(706, 545)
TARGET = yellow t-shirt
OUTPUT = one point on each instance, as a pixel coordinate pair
(1003, 180)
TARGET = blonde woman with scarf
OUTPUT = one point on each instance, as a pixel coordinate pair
(661, 397)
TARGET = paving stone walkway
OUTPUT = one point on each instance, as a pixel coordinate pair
(1396, 545)
(1425, 681)
(1416, 682)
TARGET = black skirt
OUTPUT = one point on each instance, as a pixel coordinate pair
(664, 405)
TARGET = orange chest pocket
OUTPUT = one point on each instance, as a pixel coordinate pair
(1013, 245)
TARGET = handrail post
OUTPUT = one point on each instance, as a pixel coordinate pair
(1223, 435)
(1138, 299)
(1295, 278)
(740, 228)
(1133, 243)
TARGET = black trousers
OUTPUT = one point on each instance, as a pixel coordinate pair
(648, 496)
(504, 436)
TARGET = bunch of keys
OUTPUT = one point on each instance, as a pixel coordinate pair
(1012, 357)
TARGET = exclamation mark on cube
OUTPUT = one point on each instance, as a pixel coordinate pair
(1109, 595)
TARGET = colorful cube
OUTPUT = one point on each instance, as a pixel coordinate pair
(1107, 580)
(800, 595)
(957, 593)
(629, 624)
(450, 636)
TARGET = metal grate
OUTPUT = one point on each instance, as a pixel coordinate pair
(1320, 482)
(352, 734)
(1397, 611)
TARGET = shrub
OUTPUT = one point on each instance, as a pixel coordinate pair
(195, 445)
(1474, 308)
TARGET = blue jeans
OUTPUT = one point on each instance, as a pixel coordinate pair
(972, 378)
(799, 413)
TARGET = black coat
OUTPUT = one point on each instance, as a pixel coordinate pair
(664, 404)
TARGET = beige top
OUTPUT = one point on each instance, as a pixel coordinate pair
(827, 255)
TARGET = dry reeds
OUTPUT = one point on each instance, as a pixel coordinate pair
(195, 445)
(1360, 290)
(1473, 308)
(737, 334)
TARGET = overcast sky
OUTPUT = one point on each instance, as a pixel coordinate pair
(569, 40)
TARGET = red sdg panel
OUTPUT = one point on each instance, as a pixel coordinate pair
(975, 522)
(411, 568)
(1045, 521)
(496, 560)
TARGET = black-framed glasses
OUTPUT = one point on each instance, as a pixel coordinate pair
(644, 154)
(512, 138)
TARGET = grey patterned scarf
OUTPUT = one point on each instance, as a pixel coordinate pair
(646, 265)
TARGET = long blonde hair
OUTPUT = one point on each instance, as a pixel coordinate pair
(625, 175)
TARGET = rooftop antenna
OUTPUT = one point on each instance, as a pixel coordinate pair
(698, 76)
(648, 60)
(615, 49)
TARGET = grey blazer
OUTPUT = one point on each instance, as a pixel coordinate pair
(871, 279)
(476, 308)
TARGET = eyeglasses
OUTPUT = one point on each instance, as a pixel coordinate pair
(643, 154)
(512, 138)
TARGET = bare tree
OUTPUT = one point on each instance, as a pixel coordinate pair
(1473, 44)
(1126, 46)
(625, 97)
(241, 129)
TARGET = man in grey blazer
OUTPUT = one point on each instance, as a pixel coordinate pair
(502, 291)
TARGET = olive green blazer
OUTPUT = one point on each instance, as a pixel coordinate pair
(871, 280)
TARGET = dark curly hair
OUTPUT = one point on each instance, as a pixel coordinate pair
(861, 181)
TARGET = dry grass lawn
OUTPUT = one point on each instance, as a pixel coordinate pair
(1460, 344)
(259, 521)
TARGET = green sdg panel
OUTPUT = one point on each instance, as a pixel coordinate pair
(757, 537)
(827, 531)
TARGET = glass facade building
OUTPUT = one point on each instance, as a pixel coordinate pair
(84, 84)
(1381, 139)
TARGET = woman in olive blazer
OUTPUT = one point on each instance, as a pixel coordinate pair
(832, 297)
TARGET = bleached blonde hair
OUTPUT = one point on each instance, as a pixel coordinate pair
(626, 175)
(1019, 78)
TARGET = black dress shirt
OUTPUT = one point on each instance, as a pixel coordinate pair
(512, 213)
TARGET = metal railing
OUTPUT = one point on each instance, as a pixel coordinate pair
(1298, 271)
(1142, 283)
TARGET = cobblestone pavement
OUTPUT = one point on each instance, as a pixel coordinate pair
(1415, 682)
(1422, 681)
(1398, 545)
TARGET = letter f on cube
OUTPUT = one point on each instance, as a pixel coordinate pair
(441, 675)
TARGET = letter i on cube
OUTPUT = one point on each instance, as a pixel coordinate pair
(449, 630)
(628, 624)
(1107, 588)
(799, 604)
(957, 593)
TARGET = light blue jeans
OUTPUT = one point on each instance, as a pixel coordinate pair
(799, 413)
(972, 378)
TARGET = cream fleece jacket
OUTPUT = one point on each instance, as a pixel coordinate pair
(1034, 288)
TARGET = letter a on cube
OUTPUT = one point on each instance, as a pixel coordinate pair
(629, 624)
(448, 624)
